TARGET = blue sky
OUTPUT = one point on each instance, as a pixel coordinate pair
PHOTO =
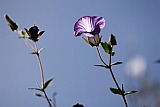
(70, 60)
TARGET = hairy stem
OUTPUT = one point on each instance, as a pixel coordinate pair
(112, 74)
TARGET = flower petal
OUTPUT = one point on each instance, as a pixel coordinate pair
(81, 26)
(89, 25)
(98, 21)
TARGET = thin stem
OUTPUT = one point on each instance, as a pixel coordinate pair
(41, 69)
(99, 54)
(110, 68)
(27, 43)
(122, 93)
(42, 75)
(45, 94)
(112, 74)
(36, 47)
(40, 65)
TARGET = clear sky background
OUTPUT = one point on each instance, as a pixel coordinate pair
(136, 24)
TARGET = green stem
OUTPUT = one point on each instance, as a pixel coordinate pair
(112, 74)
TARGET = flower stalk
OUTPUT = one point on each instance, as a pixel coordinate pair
(40, 64)
(112, 74)
(36, 52)
(41, 69)
(42, 77)
(91, 26)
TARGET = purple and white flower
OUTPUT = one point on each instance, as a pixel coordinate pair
(90, 26)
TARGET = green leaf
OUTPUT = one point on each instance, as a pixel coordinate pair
(102, 66)
(117, 63)
(47, 83)
(35, 89)
(113, 41)
(130, 92)
(116, 91)
(107, 47)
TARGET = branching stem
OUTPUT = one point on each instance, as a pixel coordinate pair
(41, 68)
(112, 74)
(42, 75)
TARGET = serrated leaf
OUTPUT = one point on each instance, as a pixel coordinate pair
(130, 92)
(102, 66)
(117, 63)
(107, 47)
(113, 41)
(116, 91)
(35, 89)
(47, 83)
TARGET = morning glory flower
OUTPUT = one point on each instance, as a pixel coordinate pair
(34, 33)
(90, 26)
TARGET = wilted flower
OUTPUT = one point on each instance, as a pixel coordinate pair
(33, 33)
(11, 23)
(90, 26)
